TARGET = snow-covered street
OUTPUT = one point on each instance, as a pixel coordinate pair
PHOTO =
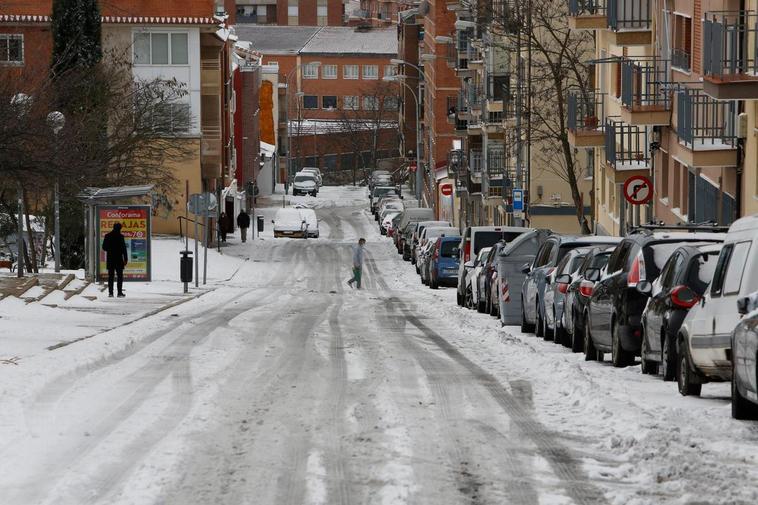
(281, 385)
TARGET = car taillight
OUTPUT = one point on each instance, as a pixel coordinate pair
(684, 297)
(436, 253)
(637, 272)
(586, 288)
(563, 287)
(467, 252)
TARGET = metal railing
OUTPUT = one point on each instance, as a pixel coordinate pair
(629, 14)
(494, 117)
(586, 7)
(586, 111)
(681, 59)
(475, 161)
(626, 144)
(705, 123)
(730, 43)
(643, 83)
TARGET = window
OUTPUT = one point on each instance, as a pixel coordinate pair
(496, 159)
(347, 161)
(11, 48)
(391, 103)
(310, 71)
(330, 162)
(371, 71)
(390, 70)
(310, 102)
(312, 161)
(733, 278)
(161, 49)
(543, 255)
(322, 13)
(329, 71)
(293, 13)
(370, 103)
(350, 71)
(617, 261)
(670, 270)
(350, 103)
(681, 52)
(171, 118)
(589, 169)
(328, 102)
(718, 275)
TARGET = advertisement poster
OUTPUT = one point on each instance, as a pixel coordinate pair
(135, 227)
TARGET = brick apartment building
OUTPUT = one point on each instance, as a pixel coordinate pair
(335, 77)
(291, 12)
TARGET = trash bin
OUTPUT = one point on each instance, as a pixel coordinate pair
(185, 266)
(260, 223)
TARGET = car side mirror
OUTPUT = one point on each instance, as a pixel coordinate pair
(645, 287)
(592, 274)
(526, 268)
(743, 305)
(469, 264)
(563, 279)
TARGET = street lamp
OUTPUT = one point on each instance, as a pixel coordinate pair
(398, 79)
(286, 110)
(56, 121)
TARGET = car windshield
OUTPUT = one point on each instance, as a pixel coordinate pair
(661, 252)
(701, 271)
(304, 178)
(449, 249)
(490, 238)
(379, 192)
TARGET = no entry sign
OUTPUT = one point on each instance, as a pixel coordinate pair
(446, 189)
(638, 190)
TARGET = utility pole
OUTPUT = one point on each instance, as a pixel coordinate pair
(527, 192)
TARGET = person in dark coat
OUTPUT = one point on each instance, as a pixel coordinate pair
(243, 221)
(116, 258)
(223, 226)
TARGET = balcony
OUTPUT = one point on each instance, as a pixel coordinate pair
(629, 22)
(707, 130)
(644, 97)
(210, 151)
(626, 149)
(587, 14)
(730, 55)
(586, 113)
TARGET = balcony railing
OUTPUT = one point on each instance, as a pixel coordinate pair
(703, 123)
(681, 59)
(494, 117)
(730, 44)
(626, 146)
(586, 111)
(475, 162)
(586, 7)
(643, 84)
(629, 14)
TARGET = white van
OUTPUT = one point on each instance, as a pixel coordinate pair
(704, 340)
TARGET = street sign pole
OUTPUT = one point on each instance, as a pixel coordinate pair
(197, 256)
(205, 252)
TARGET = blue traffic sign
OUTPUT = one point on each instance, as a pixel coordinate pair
(518, 200)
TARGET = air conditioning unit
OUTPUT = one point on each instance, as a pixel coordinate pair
(742, 125)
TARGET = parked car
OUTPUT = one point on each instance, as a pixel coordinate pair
(704, 340)
(536, 280)
(744, 355)
(394, 222)
(316, 172)
(683, 281)
(473, 300)
(578, 295)
(389, 204)
(379, 176)
(488, 277)
(557, 288)
(430, 229)
(377, 194)
(311, 222)
(614, 318)
(511, 259)
(425, 259)
(288, 222)
(408, 225)
(305, 184)
(443, 266)
(473, 239)
(386, 225)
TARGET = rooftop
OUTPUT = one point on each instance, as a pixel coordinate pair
(276, 39)
(341, 40)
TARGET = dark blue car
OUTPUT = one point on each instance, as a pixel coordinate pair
(443, 268)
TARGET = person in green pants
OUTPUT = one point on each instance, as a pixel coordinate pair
(357, 264)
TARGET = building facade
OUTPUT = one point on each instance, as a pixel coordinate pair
(291, 12)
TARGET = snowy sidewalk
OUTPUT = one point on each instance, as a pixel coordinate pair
(58, 318)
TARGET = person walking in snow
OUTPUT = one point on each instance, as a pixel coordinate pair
(116, 258)
(243, 221)
(357, 264)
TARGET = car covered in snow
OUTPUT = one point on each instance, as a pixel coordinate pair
(305, 184)
(704, 340)
(290, 223)
(311, 222)
(378, 193)
(316, 172)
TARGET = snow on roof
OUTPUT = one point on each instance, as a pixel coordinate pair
(276, 39)
(324, 126)
(132, 20)
(348, 40)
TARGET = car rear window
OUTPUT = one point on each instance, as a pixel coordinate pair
(661, 252)
(449, 249)
(484, 239)
(564, 249)
(701, 271)
(379, 192)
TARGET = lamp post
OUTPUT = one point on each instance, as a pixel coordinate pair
(56, 120)
(398, 79)
(419, 173)
(286, 111)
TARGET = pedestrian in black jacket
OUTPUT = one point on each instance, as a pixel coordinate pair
(116, 258)
(243, 221)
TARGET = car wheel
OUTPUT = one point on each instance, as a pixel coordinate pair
(685, 378)
(539, 330)
(418, 270)
(668, 363)
(590, 353)
(469, 299)
(525, 326)
(648, 367)
(619, 357)
(459, 298)
(741, 407)
(559, 334)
